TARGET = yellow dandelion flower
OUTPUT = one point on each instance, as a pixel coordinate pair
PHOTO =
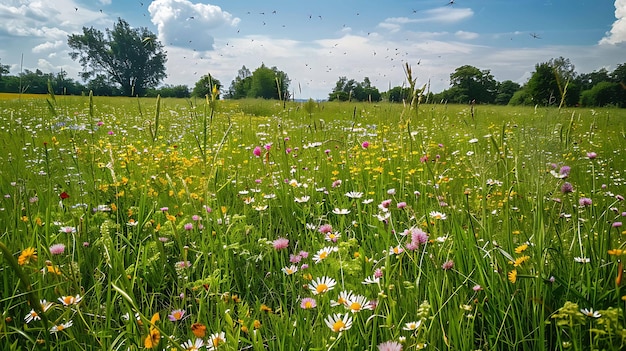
(513, 276)
(521, 248)
(518, 261)
(27, 255)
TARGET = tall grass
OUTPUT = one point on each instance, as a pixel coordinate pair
(497, 231)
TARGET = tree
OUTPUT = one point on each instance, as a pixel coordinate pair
(269, 83)
(4, 69)
(505, 92)
(240, 86)
(131, 57)
(473, 84)
(398, 94)
(604, 94)
(102, 86)
(619, 75)
(351, 89)
(204, 86)
(551, 80)
(586, 81)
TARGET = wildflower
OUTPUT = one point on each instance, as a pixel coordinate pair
(401, 205)
(446, 266)
(396, 250)
(257, 151)
(182, 264)
(60, 327)
(584, 202)
(295, 258)
(176, 315)
(325, 228)
(332, 237)
(198, 329)
(521, 248)
(342, 299)
(477, 287)
(354, 194)
(67, 230)
(358, 303)
(371, 280)
(215, 340)
(322, 285)
(302, 199)
(336, 183)
(280, 243)
(367, 201)
(341, 211)
(616, 224)
(590, 313)
(70, 300)
(192, 345)
(34, 316)
(513, 276)
(473, 140)
(582, 259)
(323, 253)
(154, 336)
(57, 249)
(308, 303)
(567, 188)
(188, 226)
(390, 346)
(518, 261)
(365, 144)
(616, 252)
(27, 255)
(437, 215)
(265, 308)
(591, 155)
(412, 325)
(339, 323)
(290, 270)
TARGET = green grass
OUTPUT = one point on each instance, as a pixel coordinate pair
(170, 209)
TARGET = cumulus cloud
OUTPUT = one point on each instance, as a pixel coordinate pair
(179, 21)
(435, 16)
(47, 46)
(618, 31)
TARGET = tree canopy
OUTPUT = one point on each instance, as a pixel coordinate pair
(264, 82)
(131, 57)
(352, 90)
(204, 86)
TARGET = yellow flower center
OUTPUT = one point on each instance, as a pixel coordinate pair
(308, 304)
(338, 326)
(355, 306)
(321, 288)
(323, 255)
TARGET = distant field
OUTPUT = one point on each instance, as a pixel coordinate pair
(262, 225)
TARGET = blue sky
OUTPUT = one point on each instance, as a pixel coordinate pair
(316, 42)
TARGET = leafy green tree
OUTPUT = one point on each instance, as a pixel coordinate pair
(240, 86)
(131, 57)
(398, 94)
(586, 81)
(473, 84)
(505, 92)
(521, 97)
(204, 86)
(349, 89)
(604, 94)
(4, 69)
(619, 74)
(263, 83)
(551, 80)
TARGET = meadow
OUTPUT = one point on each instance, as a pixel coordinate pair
(132, 224)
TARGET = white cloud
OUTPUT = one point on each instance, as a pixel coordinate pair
(47, 46)
(436, 16)
(181, 21)
(618, 31)
(466, 35)
(105, 2)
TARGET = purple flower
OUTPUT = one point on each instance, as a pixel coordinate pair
(446, 266)
(401, 204)
(477, 287)
(365, 144)
(378, 273)
(567, 188)
(268, 147)
(564, 171)
(303, 254)
(57, 249)
(308, 303)
(591, 155)
(257, 151)
(325, 228)
(86, 244)
(280, 243)
(294, 258)
(418, 236)
(619, 197)
(584, 201)
(188, 226)
(616, 224)
(176, 315)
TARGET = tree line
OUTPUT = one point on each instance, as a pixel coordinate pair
(127, 61)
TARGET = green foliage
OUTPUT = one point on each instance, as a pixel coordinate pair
(174, 91)
(505, 91)
(472, 84)
(604, 94)
(204, 86)
(348, 90)
(520, 97)
(132, 57)
(264, 82)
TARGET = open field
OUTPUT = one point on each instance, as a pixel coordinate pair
(256, 225)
